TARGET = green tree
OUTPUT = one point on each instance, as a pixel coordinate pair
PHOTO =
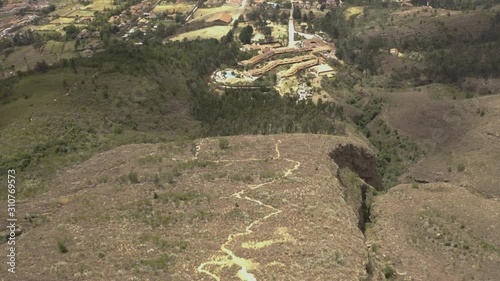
(266, 30)
(305, 18)
(180, 18)
(246, 34)
(311, 16)
(71, 31)
(296, 13)
(41, 67)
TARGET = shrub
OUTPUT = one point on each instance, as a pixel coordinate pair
(223, 143)
(133, 177)
(156, 180)
(388, 271)
(461, 167)
(117, 130)
(62, 246)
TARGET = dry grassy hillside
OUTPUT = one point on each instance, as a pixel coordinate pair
(460, 136)
(436, 231)
(264, 206)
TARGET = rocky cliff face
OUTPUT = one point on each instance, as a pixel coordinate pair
(359, 160)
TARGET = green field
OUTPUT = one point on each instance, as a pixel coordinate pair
(26, 57)
(64, 11)
(209, 32)
(81, 13)
(173, 8)
(47, 27)
(62, 21)
(207, 11)
(99, 5)
(59, 3)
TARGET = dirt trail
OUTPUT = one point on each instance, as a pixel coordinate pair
(231, 259)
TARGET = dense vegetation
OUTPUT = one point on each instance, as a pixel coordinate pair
(257, 112)
(396, 152)
(448, 54)
(85, 105)
(444, 54)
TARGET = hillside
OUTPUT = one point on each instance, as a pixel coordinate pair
(459, 136)
(270, 206)
(278, 207)
(142, 158)
(436, 231)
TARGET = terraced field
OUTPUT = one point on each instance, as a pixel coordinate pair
(26, 57)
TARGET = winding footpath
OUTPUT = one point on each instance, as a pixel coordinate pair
(231, 259)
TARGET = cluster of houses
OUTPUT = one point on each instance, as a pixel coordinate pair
(307, 5)
(8, 28)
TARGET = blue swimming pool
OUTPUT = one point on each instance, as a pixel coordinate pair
(229, 74)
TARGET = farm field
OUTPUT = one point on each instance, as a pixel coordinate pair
(99, 5)
(64, 11)
(51, 27)
(63, 2)
(81, 13)
(208, 14)
(173, 8)
(209, 32)
(62, 21)
(206, 11)
(27, 56)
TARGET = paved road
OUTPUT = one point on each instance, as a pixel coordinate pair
(241, 9)
(291, 30)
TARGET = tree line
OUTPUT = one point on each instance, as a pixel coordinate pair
(256, 112)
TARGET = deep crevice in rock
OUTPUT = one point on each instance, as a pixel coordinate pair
(359, 179)
(357, 193)
(358, 160)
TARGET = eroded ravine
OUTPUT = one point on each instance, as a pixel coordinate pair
(230, 259)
